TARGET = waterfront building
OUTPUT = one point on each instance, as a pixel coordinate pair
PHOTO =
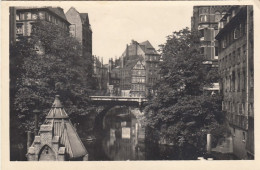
(134, 54)
(57, 139)
(138, 80)
(236, 67)
(80, 28)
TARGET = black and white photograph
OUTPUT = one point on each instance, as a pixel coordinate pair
(131, 81)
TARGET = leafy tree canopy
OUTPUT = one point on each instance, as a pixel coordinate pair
(181, 112)
(61, 69)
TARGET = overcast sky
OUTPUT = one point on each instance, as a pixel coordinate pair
(115, 24)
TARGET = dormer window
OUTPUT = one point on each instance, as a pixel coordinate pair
(236, 33)
(224, 44)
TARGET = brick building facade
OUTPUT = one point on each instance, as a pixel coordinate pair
(236, 67)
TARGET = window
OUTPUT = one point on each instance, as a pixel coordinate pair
(17, 17)
(201, 33)
(41, 15)
(244, 137)
(223, 14)
(236, 33)
(203, 18)
(217, 16)
(34, 16)
(28, 15)
(22, 16)
(224, 43)
(19, 29)
(216, 51)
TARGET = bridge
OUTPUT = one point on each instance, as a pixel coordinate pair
(118, 99)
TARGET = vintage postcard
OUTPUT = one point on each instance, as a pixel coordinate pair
(129, 84)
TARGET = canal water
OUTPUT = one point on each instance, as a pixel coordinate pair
(123, 138)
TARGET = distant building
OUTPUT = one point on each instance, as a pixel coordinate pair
(236, 67)
(145, 54)
(57, 139)
(138, 84)
(80, 28)
(101, 75)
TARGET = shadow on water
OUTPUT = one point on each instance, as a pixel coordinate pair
(122, 137)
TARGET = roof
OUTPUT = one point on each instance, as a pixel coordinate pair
(84, 17)
(57, 110)
(147, 47)
(62, 127)
(132, 62)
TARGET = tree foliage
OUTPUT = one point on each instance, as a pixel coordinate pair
(62, 70)
(181, 112)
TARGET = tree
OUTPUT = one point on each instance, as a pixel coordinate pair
(181, 112)
(61, 69)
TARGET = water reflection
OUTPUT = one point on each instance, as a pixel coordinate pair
(123, 133)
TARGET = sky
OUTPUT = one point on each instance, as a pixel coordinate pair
(115, 24)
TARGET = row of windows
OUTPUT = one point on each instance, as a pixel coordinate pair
(40, 15)
(152, 58)
(237, 108)
(237, 81)
(30, 16)
(137, 94)
(138, 72)
(138, 87)
(138, 79)
(232, 35)
(233, 58)
(205, 17)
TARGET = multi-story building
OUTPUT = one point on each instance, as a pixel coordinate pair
(26, 17)
(138, 84)
(205, 20)
(133, 53)
(236, 67)
(80, 28)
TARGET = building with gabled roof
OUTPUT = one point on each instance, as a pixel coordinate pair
(133, 54)
(57, 139)
(80, 28)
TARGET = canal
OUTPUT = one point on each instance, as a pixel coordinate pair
(123, 138)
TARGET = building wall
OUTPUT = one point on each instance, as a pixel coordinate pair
(138, 82)
(26, 17)
(205, 19)
(73, 17)
(237, 77)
